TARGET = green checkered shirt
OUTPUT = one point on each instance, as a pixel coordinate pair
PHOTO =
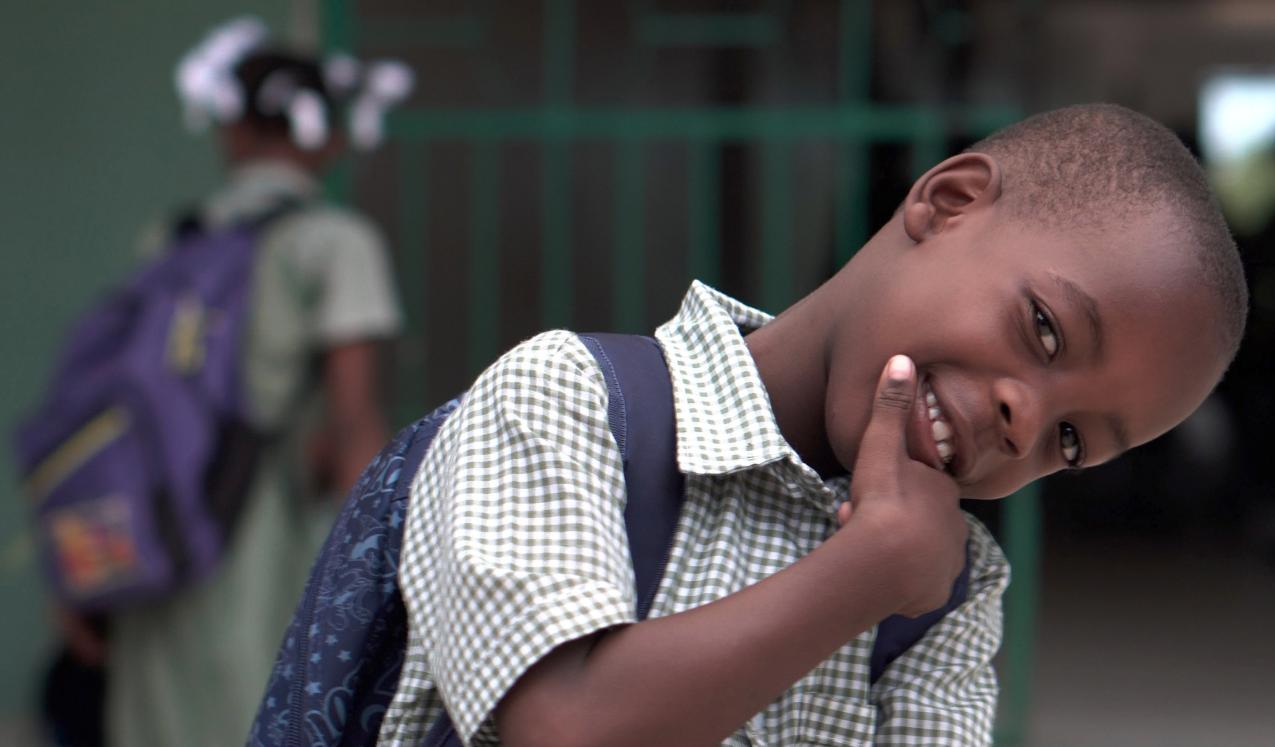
(515, 543)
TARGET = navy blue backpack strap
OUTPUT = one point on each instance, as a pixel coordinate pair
(640, 415)
(640, 411)
(896, 634)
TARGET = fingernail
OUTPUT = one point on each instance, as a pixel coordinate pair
(900, 368)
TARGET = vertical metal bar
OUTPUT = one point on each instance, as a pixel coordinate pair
(776, 228)
(1022, 534)
(338, 32)
(559, 51)
(484, 267)
(336, 27)
(413, 215)
(927, 150)
(851, 228)
(628, 283)
(855, 50)
(851, 195)
(704, 204)
(556, 276)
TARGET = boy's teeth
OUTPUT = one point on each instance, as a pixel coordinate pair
(939, 428)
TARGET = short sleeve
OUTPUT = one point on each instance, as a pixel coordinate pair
(515, 541)
(942, 691)
(346, 275)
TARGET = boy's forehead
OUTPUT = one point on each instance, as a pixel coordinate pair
(1117, 259)
(1148, 290)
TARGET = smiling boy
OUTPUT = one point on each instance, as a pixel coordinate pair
(1061, 292)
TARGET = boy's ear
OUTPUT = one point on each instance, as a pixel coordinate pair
(955, 186)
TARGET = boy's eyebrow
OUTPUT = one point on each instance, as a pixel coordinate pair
(1086, 303)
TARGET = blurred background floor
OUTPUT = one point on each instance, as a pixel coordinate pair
(1154, 644)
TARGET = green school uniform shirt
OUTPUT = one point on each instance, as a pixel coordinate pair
(190, 670)
(515, 543)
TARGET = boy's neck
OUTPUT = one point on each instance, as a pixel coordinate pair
(790, 354)
(793, 353)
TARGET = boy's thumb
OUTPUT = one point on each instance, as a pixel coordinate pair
(896, 392)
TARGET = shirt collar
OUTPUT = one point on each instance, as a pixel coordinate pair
(724, 418)
(256, 186)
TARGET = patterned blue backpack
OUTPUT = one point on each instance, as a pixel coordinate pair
(338, 668)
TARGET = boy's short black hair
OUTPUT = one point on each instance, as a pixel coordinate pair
(1084, 165)
(273, 67)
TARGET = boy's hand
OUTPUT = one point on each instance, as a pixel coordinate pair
(916, 505)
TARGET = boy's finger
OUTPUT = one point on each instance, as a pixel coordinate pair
(885, 438)
(844, 512)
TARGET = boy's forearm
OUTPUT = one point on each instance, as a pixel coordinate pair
(695, 677)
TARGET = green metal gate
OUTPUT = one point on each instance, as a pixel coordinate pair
(556, 123)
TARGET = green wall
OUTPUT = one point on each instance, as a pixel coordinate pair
(91, 148)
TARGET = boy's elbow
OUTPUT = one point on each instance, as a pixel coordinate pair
(541, 723)
(549, 706)
(562, 701)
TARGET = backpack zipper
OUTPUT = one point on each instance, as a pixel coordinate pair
(296, 692)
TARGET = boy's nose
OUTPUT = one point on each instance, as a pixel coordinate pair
(1017, 418)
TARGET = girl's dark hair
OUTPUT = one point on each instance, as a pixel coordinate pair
(264, 70)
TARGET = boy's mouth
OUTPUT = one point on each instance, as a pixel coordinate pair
(941, 430)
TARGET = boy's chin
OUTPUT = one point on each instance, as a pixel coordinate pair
(985, 492)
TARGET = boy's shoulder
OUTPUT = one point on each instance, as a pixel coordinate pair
(552, 365)
(551, 348)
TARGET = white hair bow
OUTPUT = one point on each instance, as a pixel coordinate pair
(210, 93)
(385, 84)
(205, 75)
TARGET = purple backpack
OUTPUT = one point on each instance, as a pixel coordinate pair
(138, 459)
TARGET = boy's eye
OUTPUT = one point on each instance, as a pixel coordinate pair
(1069, 443)
(1045, 331)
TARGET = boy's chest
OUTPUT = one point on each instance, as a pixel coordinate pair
(735, 531)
